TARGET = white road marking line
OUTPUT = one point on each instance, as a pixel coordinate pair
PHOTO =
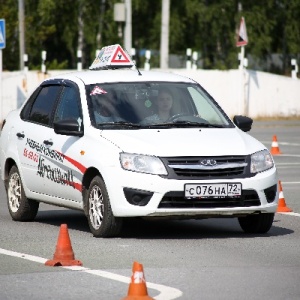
(287, 167)
(287, 155)
(291, 182)
(281, 143)
(290, 214)
(289, 144)
(287, 164)
(166, 293)
(23, 255)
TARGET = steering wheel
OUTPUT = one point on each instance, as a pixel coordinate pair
(188, 118)
(177, 116)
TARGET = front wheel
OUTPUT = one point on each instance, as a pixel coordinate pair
(260, 223)
(101, 220)
(20, 208)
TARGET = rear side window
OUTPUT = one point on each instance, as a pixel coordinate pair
(43, 106)
(27, 107)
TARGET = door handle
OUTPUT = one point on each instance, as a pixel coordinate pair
(48, 143)
(20, 135)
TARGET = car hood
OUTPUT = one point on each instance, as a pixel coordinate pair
(184, 142)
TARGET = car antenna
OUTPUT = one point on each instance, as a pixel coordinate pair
(140, 74)
(134, 64)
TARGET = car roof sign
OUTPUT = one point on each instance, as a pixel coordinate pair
(112, 57)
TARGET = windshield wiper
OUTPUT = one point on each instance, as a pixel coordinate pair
(120, 124)
(184, 124)
(202, 124)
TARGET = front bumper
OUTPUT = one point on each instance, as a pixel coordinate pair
(165, 197)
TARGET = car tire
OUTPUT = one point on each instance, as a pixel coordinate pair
(20, 207)
(260, 223)
(101, 220)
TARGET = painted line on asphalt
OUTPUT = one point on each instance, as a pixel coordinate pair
(290, 182)
(289, 144)
(166, 293)
(281, 143)
(286, 167)
(287, 155)
(290, 214)
(23, 255)
(287, 164)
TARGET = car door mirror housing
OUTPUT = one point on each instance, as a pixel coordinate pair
(243, 122)
(68, 127)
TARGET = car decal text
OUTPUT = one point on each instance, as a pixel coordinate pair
(45, 170)
(56, 174)
(40, 148)
(31, 155)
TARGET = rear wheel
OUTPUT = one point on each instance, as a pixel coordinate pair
(20, 208)
(101, 220)
(260, 223)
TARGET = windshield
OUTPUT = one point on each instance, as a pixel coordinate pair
(153, 104)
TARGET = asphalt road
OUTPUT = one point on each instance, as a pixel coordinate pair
(288, 163)
(205, 259)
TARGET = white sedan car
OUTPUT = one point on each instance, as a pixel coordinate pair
(116, 143)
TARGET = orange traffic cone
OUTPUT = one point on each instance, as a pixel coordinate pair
(275, 148)
(281, 202)
(64, 255)
(137, 288)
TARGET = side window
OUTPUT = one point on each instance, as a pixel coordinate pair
(205, 108)
(68, 107)
(27, 107)
(43, 106)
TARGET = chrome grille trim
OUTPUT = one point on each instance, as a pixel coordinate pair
(194, 168)
(216, 167)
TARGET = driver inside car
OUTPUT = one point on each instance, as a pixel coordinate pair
(164, 104)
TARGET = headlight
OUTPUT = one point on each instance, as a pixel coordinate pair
(261, 161)
(142, 164)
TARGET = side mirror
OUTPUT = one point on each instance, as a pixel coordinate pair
(68, 127)
(242, 122)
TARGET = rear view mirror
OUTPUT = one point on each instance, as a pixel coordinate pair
(243, 122)
(68, 127)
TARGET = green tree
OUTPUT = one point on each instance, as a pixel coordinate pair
(207, 26)
(9, 12)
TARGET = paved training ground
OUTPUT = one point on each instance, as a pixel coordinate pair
(205, 259)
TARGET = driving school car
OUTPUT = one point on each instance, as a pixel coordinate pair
(196, 164)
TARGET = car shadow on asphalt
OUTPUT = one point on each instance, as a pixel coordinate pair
(193, 229)
(75, 220)
(137, 228)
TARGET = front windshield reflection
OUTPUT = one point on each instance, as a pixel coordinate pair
(147, 104)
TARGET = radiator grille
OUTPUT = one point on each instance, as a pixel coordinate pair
(207, 167)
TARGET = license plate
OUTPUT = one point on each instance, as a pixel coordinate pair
(213, 190)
